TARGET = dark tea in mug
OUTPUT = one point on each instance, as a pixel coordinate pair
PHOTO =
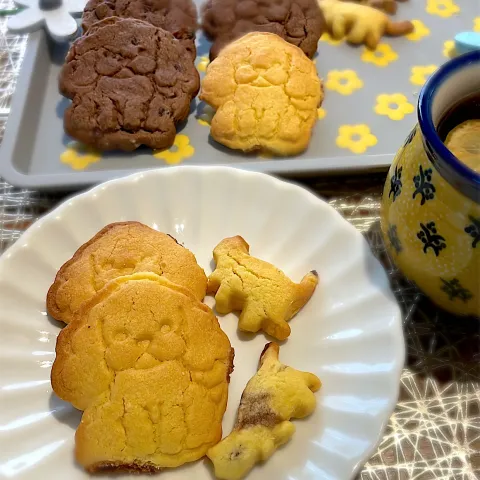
(459, 129)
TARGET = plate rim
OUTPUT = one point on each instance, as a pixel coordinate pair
(396, 328)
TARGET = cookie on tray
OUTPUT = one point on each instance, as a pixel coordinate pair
(299, 22)
(121, 249)
(274, 395)
(266, 297)
(149, 366)
(175, 16)
(277, 118)
(361, 24)
(130, 83)
(388, 6)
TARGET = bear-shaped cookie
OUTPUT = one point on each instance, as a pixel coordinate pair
(274, 395)
(149, 366)
(361, 24)
(131, 84)
(120, 249)
(265, 92)
(264, 294)
(299, 22)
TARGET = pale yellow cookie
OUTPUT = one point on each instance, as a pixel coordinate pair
(121, 249)
(265, 92)
(149, 365)
(389, 6)
(271, 398)
(264, 294)
(360, 24)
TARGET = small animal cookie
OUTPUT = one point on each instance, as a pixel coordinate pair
(274, 395)
(361, 23)
(265, 92)
(264, 294)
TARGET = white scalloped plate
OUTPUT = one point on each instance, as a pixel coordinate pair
(349, 334)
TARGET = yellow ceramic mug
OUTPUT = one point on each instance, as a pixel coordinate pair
(431, 201)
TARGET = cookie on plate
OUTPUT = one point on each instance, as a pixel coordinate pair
(299, 22)
(121, 249)
(130, 84)
(274, 395)
(276, 118)
(264, 294)
(149, 366)
(175, 16)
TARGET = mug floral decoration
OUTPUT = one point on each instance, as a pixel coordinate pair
(431, 207)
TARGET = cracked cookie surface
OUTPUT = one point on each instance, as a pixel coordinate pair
(130, 84)
(264, 294)
(274, 395)
(265, 92)
(178, 17)
(121, 249)
(149, 366)
(299, 22)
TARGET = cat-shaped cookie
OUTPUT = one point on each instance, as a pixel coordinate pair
(264, 294)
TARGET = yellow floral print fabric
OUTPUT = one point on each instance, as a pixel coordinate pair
(79, 156)
(356, 138)
(382, 56)
(476, 24)
(420, 74)
(421, 31)
(442, 8)
(179, 151)
(449, 49)
(344, 82)
(394, 106)
(327, 38)
(321, 113)
(203, 64)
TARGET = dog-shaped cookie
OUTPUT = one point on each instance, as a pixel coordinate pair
(264, 294)
(149, 365)
(265, 92)
(274, 395)
(119, 249)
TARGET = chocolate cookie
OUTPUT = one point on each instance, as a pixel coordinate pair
(176, 16)
(130, 83)
(299, 22)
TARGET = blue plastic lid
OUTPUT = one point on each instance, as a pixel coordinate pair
(467, 42)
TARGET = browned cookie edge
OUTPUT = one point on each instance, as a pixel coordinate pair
(52, 308)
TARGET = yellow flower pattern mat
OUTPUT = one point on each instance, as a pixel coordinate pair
(370, 96)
